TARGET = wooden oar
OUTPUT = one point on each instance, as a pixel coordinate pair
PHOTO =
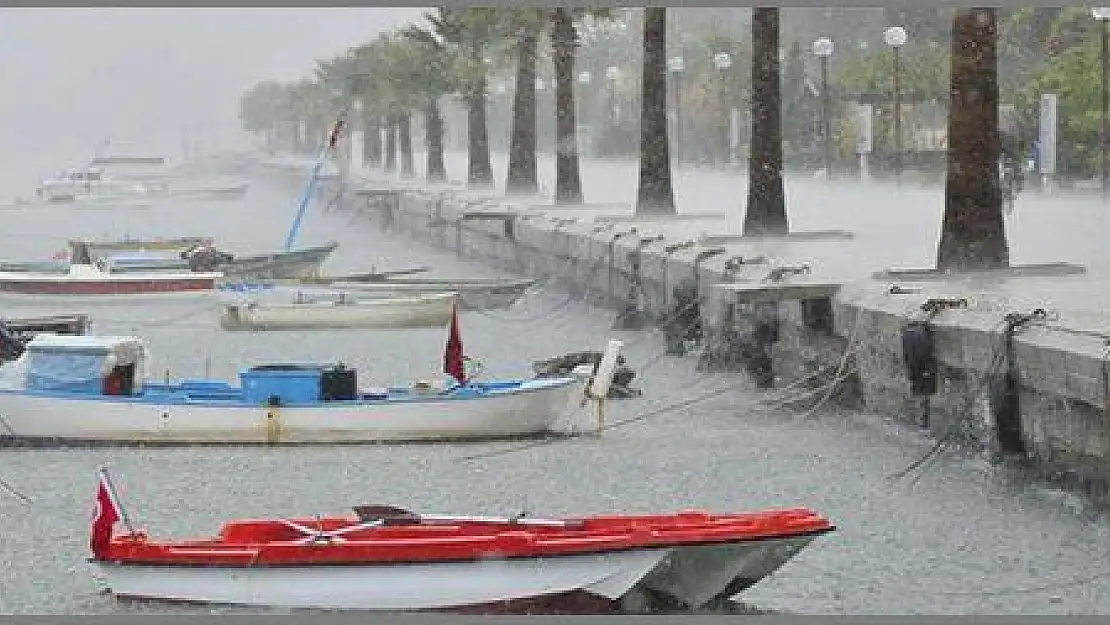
(393, 515)
(374, 276)
(382, 276)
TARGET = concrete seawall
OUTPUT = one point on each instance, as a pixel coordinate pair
(1029, 389)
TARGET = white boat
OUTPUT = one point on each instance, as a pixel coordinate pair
(91, 185)
(395, 313)
(473, 293)
(94, 185)
(91, 389)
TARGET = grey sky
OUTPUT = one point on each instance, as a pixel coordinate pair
(75, 76)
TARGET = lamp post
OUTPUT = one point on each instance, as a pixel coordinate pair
(895, 37)
(612, 73)
(1102, 14)
(676, 65)
(823, 49)
(723, 61)
(584, 79)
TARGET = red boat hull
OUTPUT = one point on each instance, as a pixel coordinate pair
(106, 287)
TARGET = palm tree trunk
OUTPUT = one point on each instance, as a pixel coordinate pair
(973, 233)
(766, 211)
(372, 141)
(568, 179)
(479, 169)
(655, 194)
(404, 129)
(433, 137)
(522, 176)
(391, 142)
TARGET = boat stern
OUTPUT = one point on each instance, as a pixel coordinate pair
(695, 577)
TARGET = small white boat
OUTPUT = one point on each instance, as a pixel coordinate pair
(395, 313)
(92, 185)
(81, 389)
(473, 293)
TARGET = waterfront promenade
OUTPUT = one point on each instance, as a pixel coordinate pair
(1051, 419)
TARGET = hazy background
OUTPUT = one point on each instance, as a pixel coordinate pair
(73, 77)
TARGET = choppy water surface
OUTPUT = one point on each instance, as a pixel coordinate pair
(959, 540)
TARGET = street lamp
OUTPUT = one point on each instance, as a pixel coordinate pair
(895, 37)
(823, 49)
(1102, 14)
(612, 73)
(723, 61)
(582, 104)
(676, 65)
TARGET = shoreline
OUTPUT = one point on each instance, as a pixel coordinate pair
(1035, 403)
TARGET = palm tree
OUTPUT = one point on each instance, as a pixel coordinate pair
(564, 40)
(436, 81)
(766, 210)
(469, 31)
(524, 26)
(973, 233)
(655, 194)
(391, 142)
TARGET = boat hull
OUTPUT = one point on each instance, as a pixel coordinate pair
(396, 587)
(303, 263)
(108, 286)
(627, 581)
(297, 264)
(471, 295)
(384, 314)
(29, 417)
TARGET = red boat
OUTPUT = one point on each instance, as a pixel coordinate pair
(390, 559)
(92, 280)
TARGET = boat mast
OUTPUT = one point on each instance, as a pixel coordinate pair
(333, 138)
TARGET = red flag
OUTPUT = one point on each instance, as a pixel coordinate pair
(453, 355)
(105, 519)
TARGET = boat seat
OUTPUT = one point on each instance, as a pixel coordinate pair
(389, 515)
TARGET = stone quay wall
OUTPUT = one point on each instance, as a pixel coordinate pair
(1029, 392)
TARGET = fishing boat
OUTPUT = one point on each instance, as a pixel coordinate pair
(472, 293)
(177, 255)
(159, 178)
(84, 184)
(87, 250)
(386, 558)
(96, 280)
(387, 313)
(90, 389)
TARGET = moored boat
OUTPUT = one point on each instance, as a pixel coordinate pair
(93, 280)
(182, 255)
(91, 389)
(394, 313)
(385, 558)
(473, 293)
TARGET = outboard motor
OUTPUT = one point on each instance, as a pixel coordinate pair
(206, 258)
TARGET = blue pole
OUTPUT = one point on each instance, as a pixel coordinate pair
(291, 238)
(294, 230)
